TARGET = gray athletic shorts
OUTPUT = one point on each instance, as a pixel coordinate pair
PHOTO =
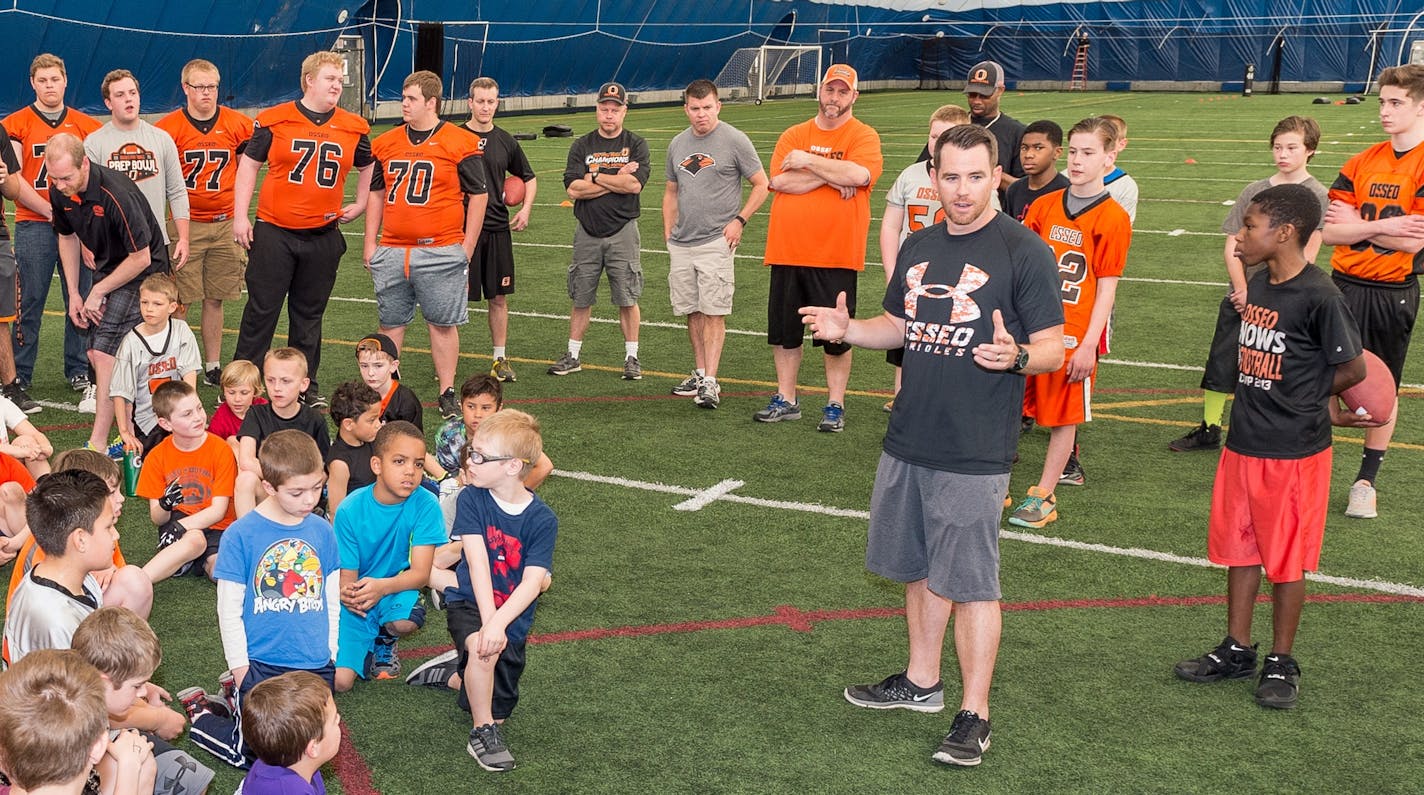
(436, 277)
(943, 527)
(618, 254)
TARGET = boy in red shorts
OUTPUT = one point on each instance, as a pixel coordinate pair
(1299, 346)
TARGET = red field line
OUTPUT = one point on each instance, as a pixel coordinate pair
(355, 775)
(804, 620)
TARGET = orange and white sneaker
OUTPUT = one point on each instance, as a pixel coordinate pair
(1037, 510)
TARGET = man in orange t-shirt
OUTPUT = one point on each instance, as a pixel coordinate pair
(1376, 224)
(210, 138)
(36, 244)
(821, 175)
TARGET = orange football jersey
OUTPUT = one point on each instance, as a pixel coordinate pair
(209, 159)
(1089, 246)
(32, 132)
(1380, 185)
(424, 201)
(307, 166)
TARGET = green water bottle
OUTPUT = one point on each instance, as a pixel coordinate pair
(132, 464)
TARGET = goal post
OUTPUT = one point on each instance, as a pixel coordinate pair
(760, 73)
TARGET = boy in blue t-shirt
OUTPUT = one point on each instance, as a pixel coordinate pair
(387, 533)
(278, 591)
(508, 537)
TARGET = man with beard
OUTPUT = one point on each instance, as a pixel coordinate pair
(822, 172)
(963, 294)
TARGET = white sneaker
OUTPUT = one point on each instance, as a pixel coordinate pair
(89, 403)
(1362, 501)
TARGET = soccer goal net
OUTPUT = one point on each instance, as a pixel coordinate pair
(759, 73)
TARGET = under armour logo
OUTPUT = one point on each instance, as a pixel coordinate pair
(965, 309)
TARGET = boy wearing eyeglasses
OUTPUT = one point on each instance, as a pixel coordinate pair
(508, 537)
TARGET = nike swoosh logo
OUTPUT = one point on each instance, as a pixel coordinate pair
(924, 697)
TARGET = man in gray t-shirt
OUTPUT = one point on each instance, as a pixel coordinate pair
(703, 219)
(143, 153)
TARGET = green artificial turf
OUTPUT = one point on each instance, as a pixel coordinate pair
(1084, 699)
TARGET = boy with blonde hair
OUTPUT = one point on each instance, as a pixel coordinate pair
(279, 594)
(241, 385)
(292, 723)
(125, 651)
(56, 690)
(508, 535)
(284, 372)
(189, 480)
(158, 349)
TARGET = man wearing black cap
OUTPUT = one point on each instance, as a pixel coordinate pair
(605, 173)
(982, 89)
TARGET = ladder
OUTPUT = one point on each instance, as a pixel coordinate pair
(1080, 67)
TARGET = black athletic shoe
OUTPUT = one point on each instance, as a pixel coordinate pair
(966, 742)
(1230, 660)
(15, 391)
(1202, 437)
(1073, 474)
(314, 399)
(213, 377)
(449, 403)
(896, 691)
(1280, 682)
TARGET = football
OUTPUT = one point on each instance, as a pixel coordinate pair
(1376, 394)
(513, 191)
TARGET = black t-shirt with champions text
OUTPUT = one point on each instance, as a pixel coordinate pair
(604, 216)
(262, 421)
(1293, 336)
(952, 415)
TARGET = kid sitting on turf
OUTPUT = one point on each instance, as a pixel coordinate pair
(72, 520)
(1039, 150)
(22, 440)
(15, 483)
(53, 729)
(480, 396)
(293, 727)
(279, 595)
(158, 349)
(121, 584)
(1299, 346)
(241, 385)
(188, 480)
(508, 536)
(356, 410)
(379, 360)
(1089, 233)
(387, 533)
(284, 372)
(125, 650)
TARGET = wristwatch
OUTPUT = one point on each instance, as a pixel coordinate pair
(1020, 360)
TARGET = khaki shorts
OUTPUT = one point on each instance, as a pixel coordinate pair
(700, 278)
(216, 263)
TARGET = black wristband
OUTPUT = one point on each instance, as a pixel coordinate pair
(743, 220)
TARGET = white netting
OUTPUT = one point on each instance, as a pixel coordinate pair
(758, 73)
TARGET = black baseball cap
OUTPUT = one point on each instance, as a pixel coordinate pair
(613, 92)
(985, 78)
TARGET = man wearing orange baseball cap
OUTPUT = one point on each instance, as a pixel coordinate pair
(821, 174)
